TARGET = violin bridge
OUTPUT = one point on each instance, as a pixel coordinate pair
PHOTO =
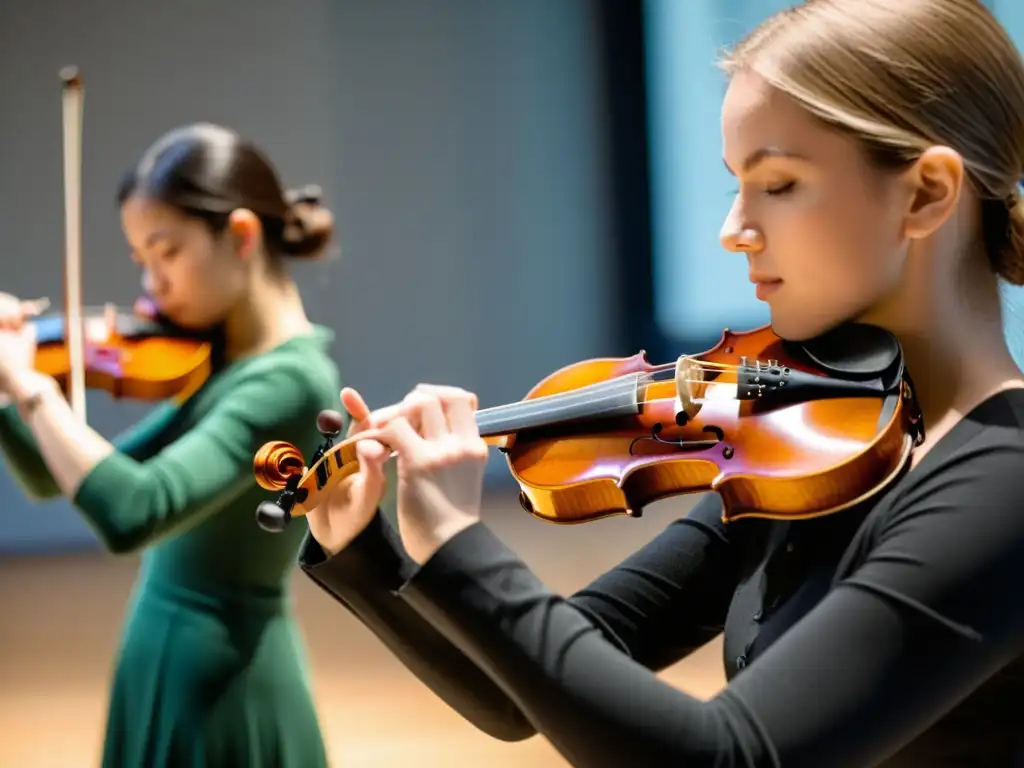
(689, 377)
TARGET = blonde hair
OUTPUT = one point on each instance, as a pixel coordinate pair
(902, 76)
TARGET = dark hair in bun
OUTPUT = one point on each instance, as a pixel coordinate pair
(207, 171)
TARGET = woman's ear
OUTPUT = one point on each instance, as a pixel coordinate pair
(936, 182)
(246, 231)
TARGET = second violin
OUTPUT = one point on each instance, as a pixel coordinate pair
(130, 354)
(778, 429)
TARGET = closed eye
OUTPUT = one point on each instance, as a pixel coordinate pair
(781, 189)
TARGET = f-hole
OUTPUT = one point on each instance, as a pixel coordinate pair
(685, 445)
(718, 432)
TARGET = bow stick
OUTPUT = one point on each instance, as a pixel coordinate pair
(73, 97)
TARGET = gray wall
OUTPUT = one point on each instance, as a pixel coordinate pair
(461, 144)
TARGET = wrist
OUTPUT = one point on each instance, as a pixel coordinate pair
(28, 386)
(423, 546)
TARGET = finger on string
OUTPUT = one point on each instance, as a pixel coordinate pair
(444, 391)
(460, 411)
(427, 410)
(459, 406)
(400, 436)
(372, 434)
(382, 416)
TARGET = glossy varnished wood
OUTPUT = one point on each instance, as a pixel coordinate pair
(797, 461)
(147, 369)
(148, 366)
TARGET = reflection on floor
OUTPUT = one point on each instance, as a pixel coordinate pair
(60, 620)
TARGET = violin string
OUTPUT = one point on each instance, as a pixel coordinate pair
(650, 376)
(610, 387)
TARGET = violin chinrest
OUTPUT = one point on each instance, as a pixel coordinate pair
(854, 351)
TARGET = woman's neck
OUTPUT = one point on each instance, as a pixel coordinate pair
(271, 315)
(954, 346)
(955, 372)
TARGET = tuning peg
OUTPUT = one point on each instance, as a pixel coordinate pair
(330, 423)
(272, 518)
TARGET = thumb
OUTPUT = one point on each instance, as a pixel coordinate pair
(372, 458)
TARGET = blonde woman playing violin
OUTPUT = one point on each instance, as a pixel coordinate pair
(878, 147)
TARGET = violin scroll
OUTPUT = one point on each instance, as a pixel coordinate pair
(275, 463)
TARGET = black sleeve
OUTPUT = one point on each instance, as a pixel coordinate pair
(364, 578)
(932, 611)
(660, 604)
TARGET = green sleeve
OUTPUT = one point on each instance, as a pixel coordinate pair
(28, 467)
(131, 503)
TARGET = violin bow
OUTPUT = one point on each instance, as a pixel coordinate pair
(73, 93)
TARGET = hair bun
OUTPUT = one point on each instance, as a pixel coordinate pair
(309, 226)
(311, 194)
(1008, 261)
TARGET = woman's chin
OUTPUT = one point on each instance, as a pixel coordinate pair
(791, 327)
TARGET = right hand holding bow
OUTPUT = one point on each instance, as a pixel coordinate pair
(17, 340)
(14, 311)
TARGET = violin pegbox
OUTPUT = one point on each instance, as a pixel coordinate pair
(280, 466)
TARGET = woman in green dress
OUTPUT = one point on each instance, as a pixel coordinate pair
(211, 668)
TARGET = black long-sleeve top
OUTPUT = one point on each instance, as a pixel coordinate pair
(886, 635)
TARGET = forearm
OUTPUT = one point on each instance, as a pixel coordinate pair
(364, 578)
(21, 454)
(70, 448)
(566, 674)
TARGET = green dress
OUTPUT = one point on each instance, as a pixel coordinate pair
(211, 670)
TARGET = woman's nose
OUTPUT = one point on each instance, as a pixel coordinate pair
(152, 286)
(739, 237)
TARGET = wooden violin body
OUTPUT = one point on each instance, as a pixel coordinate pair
(778, 429)
(766, 456)
(129, 354)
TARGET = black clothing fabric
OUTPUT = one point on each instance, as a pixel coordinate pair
(885, 635)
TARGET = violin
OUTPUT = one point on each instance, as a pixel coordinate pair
(128, 353)
(779, 429)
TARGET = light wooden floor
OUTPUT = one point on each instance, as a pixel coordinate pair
(60, 618)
